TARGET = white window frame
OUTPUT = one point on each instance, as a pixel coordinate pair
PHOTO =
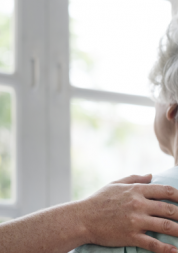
(43, 96)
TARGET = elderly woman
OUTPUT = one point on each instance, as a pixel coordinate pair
(164, 79)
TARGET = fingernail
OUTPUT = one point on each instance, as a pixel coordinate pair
(174, 250)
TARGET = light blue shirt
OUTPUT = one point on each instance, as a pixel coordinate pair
(168, 177)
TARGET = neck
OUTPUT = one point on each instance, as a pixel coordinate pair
(176, 160)
(175, 147)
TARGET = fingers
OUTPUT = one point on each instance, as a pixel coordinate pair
(135, 179)
(162, 226)
(153, 245)
(160, 192)
(162, 209)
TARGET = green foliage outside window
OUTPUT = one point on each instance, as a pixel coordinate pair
(5, 145)
(6, 40)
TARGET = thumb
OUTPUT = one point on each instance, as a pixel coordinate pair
(136, 179)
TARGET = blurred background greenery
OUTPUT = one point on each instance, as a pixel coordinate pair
(6, 148)
(6, 122)
(6, 42)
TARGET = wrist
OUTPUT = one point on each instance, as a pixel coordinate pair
(70, 226)
(83, 218)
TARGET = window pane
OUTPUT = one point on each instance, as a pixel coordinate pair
(111, 141)
(6, 35)
(7, 142)
(4, 219)
(114, 42)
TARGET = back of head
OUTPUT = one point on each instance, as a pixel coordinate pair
(164, 75)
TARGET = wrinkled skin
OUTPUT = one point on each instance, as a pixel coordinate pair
(120, 214)
(117, 215)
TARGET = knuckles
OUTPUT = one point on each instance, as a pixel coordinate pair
(166, 249)
(169, 190)
(134, 177)
(166, 225)
(170, 210)
(153, 245)
(134, 221)
(136, 204)
(137, 187)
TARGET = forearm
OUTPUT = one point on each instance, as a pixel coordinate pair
(115, 216)
(57, 229)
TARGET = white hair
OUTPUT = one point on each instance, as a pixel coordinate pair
(164, 74)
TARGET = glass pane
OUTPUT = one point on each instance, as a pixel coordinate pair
(4, 219)
(6, 35)
(7, 142)
(114, 42)
(111, 141)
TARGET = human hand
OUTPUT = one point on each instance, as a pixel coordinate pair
(121, 213)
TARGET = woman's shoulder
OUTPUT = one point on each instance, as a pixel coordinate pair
(167, 177)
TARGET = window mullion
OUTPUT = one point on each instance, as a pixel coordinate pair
(59, 103)
(31, 106)
(9, 211)
(9, 80)
(107, 96)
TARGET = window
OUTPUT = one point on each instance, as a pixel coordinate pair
(111, 141)
(42, 111)
(7, 112)
(109, 39)
(26, 135)
(113, 47)
(7, 35)
(7, 147)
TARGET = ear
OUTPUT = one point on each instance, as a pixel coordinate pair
(171, 112)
